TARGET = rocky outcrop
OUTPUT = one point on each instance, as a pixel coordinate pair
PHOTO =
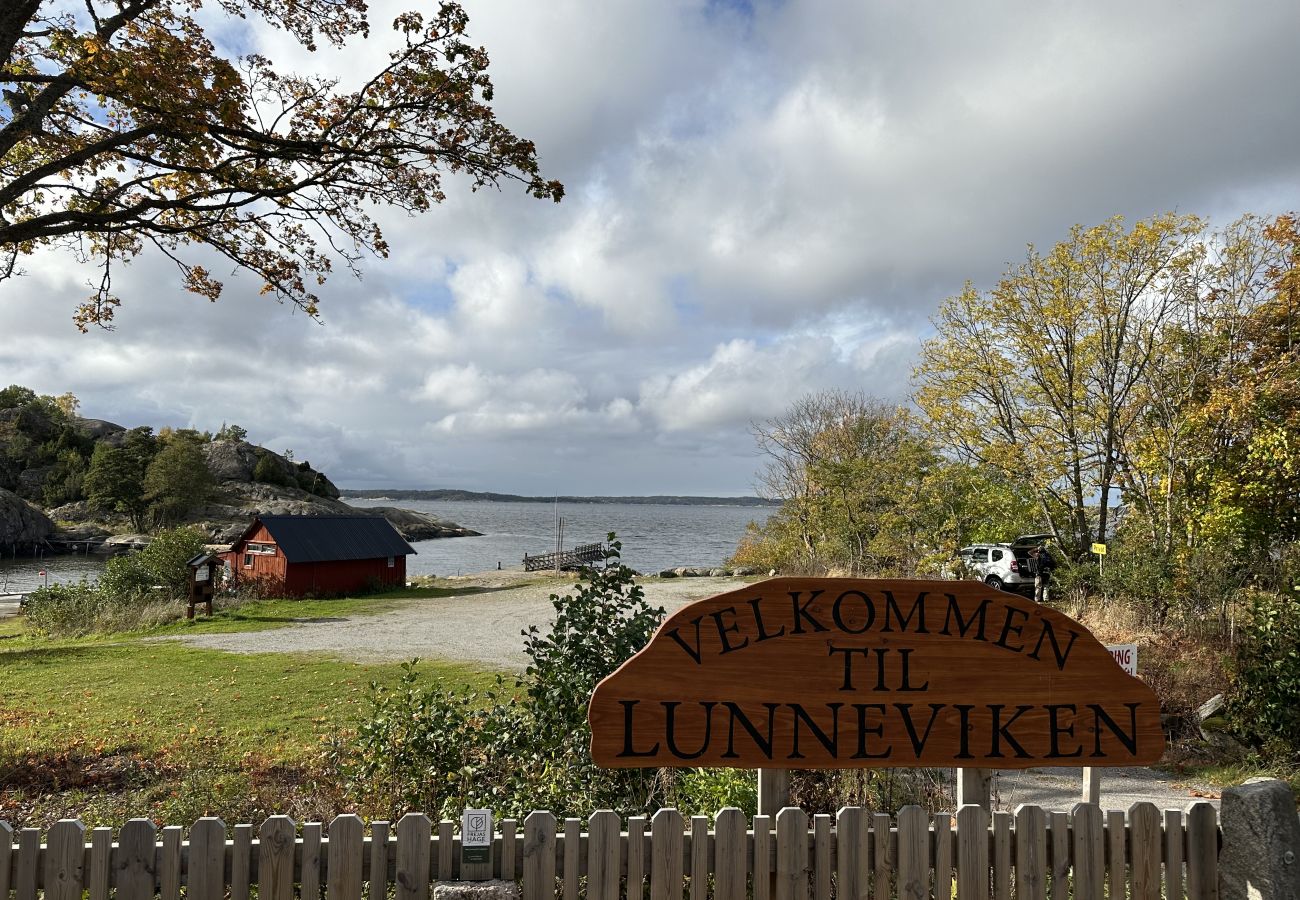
(418, 526)
(240, 461)
(20, 522)
(98, 429)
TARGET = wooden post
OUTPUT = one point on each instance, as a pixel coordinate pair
(1091, 785)
(773, 791)
(973, 788)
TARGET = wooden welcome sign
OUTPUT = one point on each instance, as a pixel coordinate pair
(838, 673)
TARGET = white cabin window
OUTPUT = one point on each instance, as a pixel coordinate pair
(392, 562)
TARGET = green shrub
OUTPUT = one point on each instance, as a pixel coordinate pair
(135, 591)
(1266, 683)
(64, 609)
(520, 747)
(268, 471)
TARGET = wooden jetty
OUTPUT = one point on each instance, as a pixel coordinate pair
(579, 556)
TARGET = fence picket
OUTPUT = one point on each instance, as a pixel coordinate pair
(1031, 852)
(25, 867)
(880, 861)
(6, 856)
(134, 871)
(1058, 827)
(666, 841)
(603, 855)
(169, 866)
(311, 844)
(1202, 852)
(1173, 854)
(99, 875)
(849, 885)
(343, 869)
(822, 856)
(539, 856)
(1089, 852)
(241, 861)
(509, 849)
(913, 854)
(1116, 854)
(275, 839)
(792, 854)
(205, 876)
(730, 862)
(763, 871)
(699, 858)
(446, 850)
(636, 857)
(972, 853)
(942, 856)
(1002, 855)
(1145, 852)
(572, 857)
(378, 860)
(414, 852)
(65, 850)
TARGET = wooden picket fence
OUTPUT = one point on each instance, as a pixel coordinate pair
(1087, 854)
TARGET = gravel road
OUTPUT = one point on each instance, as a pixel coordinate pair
(485, 626)
(482, 627)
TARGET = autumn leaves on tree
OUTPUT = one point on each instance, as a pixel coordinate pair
(124, 127)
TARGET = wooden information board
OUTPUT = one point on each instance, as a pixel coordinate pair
(807, 673)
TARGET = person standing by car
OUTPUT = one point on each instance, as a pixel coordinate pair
(1042, 562)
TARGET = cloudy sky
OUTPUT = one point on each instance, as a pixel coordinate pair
(763, 200)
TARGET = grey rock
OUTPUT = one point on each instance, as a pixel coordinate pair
(71, 512)
(417, 526)
(127, 540)
(20, 522)
(475, 890)
(1260, 857)
(697, 572)
(741, 571)
(99, 429)
(718, 573)
(668, 573)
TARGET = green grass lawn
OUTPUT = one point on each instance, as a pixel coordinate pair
(108, 727)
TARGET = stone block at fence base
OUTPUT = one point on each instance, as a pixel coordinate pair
(475, 890)
(1260, 859)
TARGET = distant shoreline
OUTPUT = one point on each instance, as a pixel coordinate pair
(657, 500)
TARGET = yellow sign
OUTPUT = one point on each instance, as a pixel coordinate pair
(1099, 549)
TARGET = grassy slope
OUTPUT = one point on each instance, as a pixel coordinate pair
(106, 728)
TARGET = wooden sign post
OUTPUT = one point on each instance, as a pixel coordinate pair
(803, 673)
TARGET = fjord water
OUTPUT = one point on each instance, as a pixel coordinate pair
(654, 537)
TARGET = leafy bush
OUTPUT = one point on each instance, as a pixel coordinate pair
(1267, 678)
(160, 565)
(64, 609)
(135, 591)
(512, 749)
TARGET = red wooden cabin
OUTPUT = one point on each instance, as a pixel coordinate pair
(319, 555)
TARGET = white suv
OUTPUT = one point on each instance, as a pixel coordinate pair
(1000, 566)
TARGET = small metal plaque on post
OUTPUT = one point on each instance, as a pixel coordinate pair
(476, 837)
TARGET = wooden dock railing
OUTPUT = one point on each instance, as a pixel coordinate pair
(1087, 854)
(581, 555)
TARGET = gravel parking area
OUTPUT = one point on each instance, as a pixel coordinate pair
(478, 627)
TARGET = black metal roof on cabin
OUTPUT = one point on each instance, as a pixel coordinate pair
(330, 538)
